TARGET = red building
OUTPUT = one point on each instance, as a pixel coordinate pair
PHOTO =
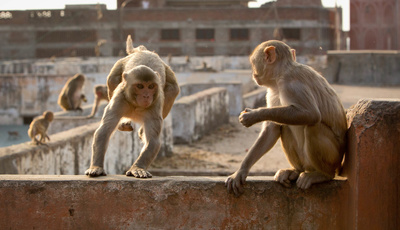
(374, 24)
(176, 27)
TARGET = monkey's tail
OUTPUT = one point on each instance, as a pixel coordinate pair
(129, 45)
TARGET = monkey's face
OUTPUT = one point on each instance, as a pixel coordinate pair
(145, 93)
(258, 67)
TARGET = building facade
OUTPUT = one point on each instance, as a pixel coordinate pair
(374, 24)
(169, 27)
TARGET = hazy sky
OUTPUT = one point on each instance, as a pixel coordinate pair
(112, 4)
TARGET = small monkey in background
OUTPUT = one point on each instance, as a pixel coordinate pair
(141, 88)
(303, 110)
(71, 95)
(100, 93)
(39, 127)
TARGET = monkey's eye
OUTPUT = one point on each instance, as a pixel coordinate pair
(139, 86)
(152, 86)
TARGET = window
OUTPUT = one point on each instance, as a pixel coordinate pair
(291, 34)
(205, 34)
(70, 36)
(239, 34)
(170, 35)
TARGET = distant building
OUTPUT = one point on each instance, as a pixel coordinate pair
(175, 27)
(375, 24)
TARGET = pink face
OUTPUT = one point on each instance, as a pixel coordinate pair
(145, 92)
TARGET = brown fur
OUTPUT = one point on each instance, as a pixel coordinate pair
(39, 127)
(303, 110)
(71, 95)
(100, 93)
(139, 67)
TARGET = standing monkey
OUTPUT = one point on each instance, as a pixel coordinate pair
(39, 127)
(141, 88)
(303, 110)
(71, 95)
(100, 93)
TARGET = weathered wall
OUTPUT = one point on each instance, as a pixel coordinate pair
(365, 67)
(234, 91)
(255, 98)
(197, 114)
(368, 199)
(29, 95)
(372, 164)
(120, 202)
(69, 152)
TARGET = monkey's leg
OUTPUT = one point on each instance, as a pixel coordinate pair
(289, 145)
(171, 91)
(324, 154)
(101, 139)
(152, 130)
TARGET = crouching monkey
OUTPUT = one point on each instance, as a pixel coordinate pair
(100, 93)
(71, 95)
(303, 110)
(39, 127)
(141, 88)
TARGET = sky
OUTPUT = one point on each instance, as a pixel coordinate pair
(112, 4)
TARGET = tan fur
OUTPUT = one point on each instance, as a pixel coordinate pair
(71, 95)
(39, 127)
(140, 66)
(303, 110)
(100, 93)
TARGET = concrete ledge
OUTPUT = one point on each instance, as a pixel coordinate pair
(198, 114)
(234, 89)
(69, 152)
(120, 202)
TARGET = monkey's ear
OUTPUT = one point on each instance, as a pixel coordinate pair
(124, 76)
(293, 54)
(270, 54)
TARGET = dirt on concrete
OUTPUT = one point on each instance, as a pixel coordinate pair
(222, 151)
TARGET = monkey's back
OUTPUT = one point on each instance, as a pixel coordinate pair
(149, 59)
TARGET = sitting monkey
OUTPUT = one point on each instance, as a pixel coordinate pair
(303, 110)
(141, 88)
(39, 127)
(71, 95)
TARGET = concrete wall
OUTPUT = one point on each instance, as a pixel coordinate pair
(69, 152)
(368, 199)
(363, 67)
(29, 95)
(234, 91)
(255, 98)
(197, 114)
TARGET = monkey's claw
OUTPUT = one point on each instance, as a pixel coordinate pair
(95, 172)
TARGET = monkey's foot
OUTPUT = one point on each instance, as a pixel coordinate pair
(306, 179)
(95, 171)
(125, 126)
(138, 172)
(285, 176)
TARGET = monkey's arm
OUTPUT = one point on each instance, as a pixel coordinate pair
(171, 90)
(112, 115)
(115, 77)
(265, 141)
(302, 108)
(95, 105)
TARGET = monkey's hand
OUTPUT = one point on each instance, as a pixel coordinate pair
(235, 182)
(248, 117)
(95, 171)
(138, 172)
